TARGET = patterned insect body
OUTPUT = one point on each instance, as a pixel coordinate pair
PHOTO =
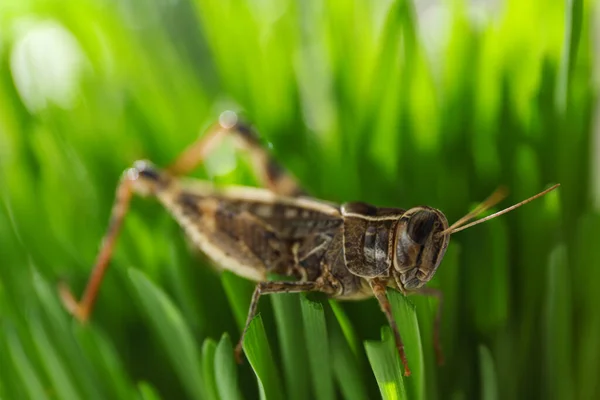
(348, 251)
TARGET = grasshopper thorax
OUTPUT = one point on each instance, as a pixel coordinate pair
(393, 243)
(418, 248)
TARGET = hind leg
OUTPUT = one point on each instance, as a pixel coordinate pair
(272, 175)
(143, 179)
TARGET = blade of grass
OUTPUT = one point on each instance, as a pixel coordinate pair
(487, 371)
(209, 347)
(147, 392)
(345, 364)
(573, 20)
(226, 371)
(406, 318)
(257, 349)
(25, 370)
(107, 363)
(290, 332)
(61, 380)
(56, 324)
(558, 335)
(488, 294)
(10, 384)
(317, 342)
(385, 362)
(172, 330)
(346, 327)
(585, 298)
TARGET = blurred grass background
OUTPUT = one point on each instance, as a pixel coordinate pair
(391, 102)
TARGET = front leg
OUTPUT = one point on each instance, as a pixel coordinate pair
(271, 287)
(379, 291)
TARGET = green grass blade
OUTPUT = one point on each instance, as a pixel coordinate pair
(147, 392)
(488, 296)
(25, 370)
(62, 382)
(209, 347)
(258, 351)
(226, 375)
(385, 362)
(56, 324)
(317, 341)
(558, 335)
(346, 326)
(573, 20)
(172, 330)
(107, 362)
(346, 366)
(587, 253)
(487, 371)
(406, 318)
(290, 332)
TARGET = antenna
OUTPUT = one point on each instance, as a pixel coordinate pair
(485, 205)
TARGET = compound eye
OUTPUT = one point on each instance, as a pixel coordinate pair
(420, 226)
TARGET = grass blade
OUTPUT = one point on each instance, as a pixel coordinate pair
(587, 253)
(172, 330)
(346, 367)
(147, 392)
(258, 351)
(558, 330)
(406, 318)
(346, 327)
(315, 330)
(209, 347)
(107, 363)
(290, 332)
(226, 375)
(31, 381)
(56, 325)
(62, 382)
(385, 362)
(489, 385)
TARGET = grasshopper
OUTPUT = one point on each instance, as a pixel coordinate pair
(349, 251)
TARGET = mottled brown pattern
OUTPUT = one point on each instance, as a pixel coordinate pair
(291, 222)
(286, 240)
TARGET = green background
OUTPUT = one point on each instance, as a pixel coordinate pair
(361, 101)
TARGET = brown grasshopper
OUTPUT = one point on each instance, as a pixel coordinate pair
(352, 251)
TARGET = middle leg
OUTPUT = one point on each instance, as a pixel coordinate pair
(271, 287)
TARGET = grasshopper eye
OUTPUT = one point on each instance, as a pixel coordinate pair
(418, 250)
(420, 226)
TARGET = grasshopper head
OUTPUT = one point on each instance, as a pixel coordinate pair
(419, 248)
(422, 236)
